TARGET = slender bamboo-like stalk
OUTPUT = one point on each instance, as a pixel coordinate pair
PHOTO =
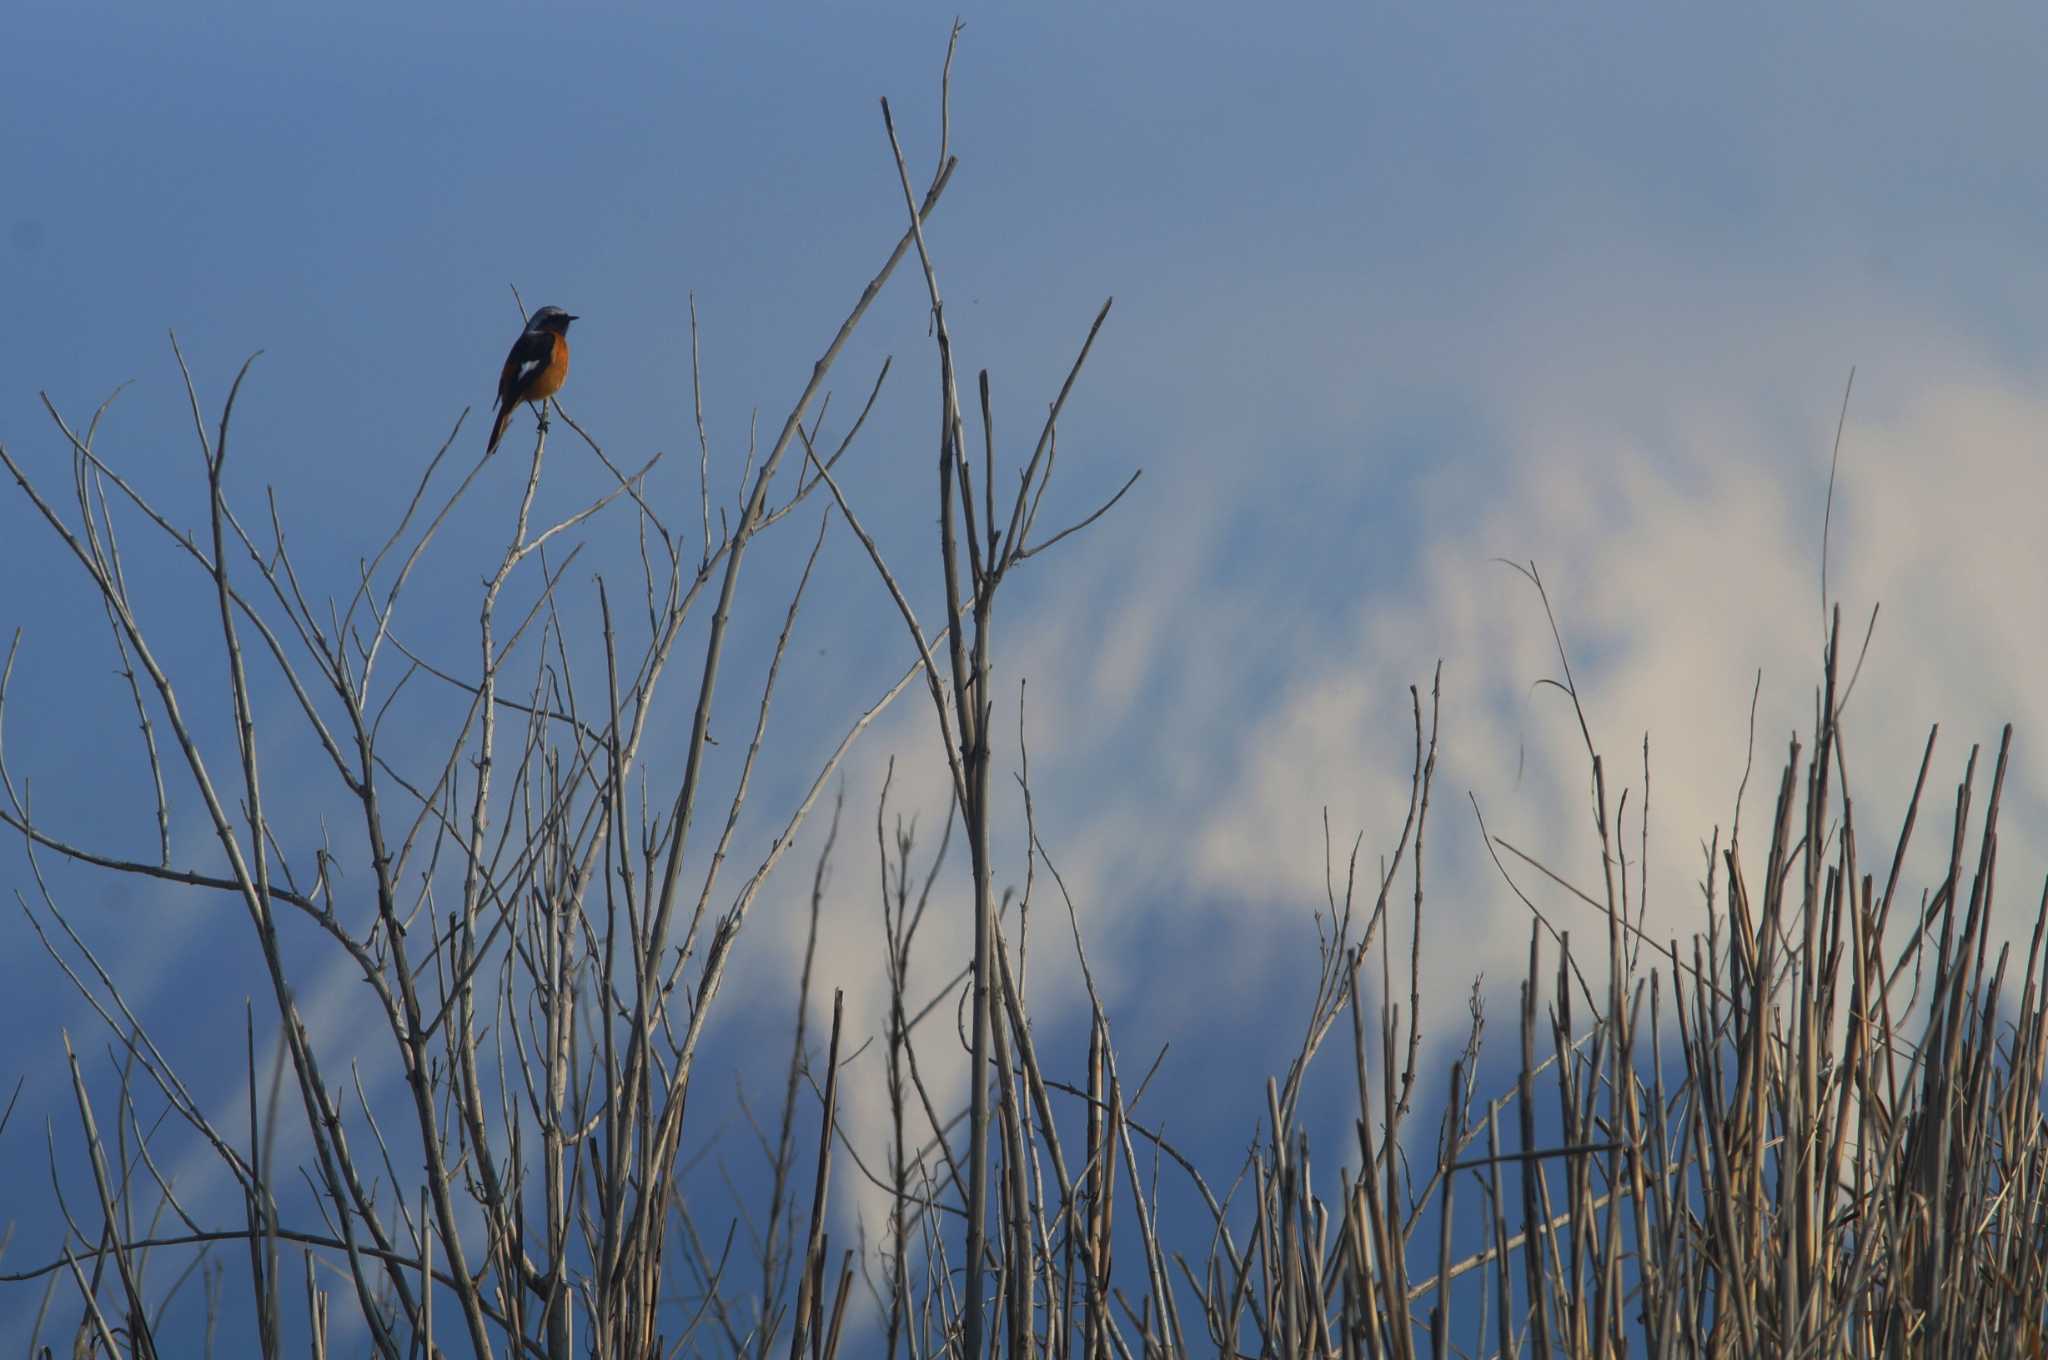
(1813, 1126)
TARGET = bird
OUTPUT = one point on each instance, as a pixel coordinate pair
(534, 370)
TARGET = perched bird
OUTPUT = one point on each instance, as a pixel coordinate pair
(535, 369)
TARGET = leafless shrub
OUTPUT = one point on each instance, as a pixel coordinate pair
(1813, 1129)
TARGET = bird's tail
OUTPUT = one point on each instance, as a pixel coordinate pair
(498, 429)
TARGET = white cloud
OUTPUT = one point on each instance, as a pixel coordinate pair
(1669, 483)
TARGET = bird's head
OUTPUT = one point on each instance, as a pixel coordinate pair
(550, 319)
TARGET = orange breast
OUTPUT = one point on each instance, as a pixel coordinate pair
(549, 380)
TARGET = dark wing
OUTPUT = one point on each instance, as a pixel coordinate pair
(530, 354)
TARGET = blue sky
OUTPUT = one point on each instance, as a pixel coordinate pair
(1399, 290)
